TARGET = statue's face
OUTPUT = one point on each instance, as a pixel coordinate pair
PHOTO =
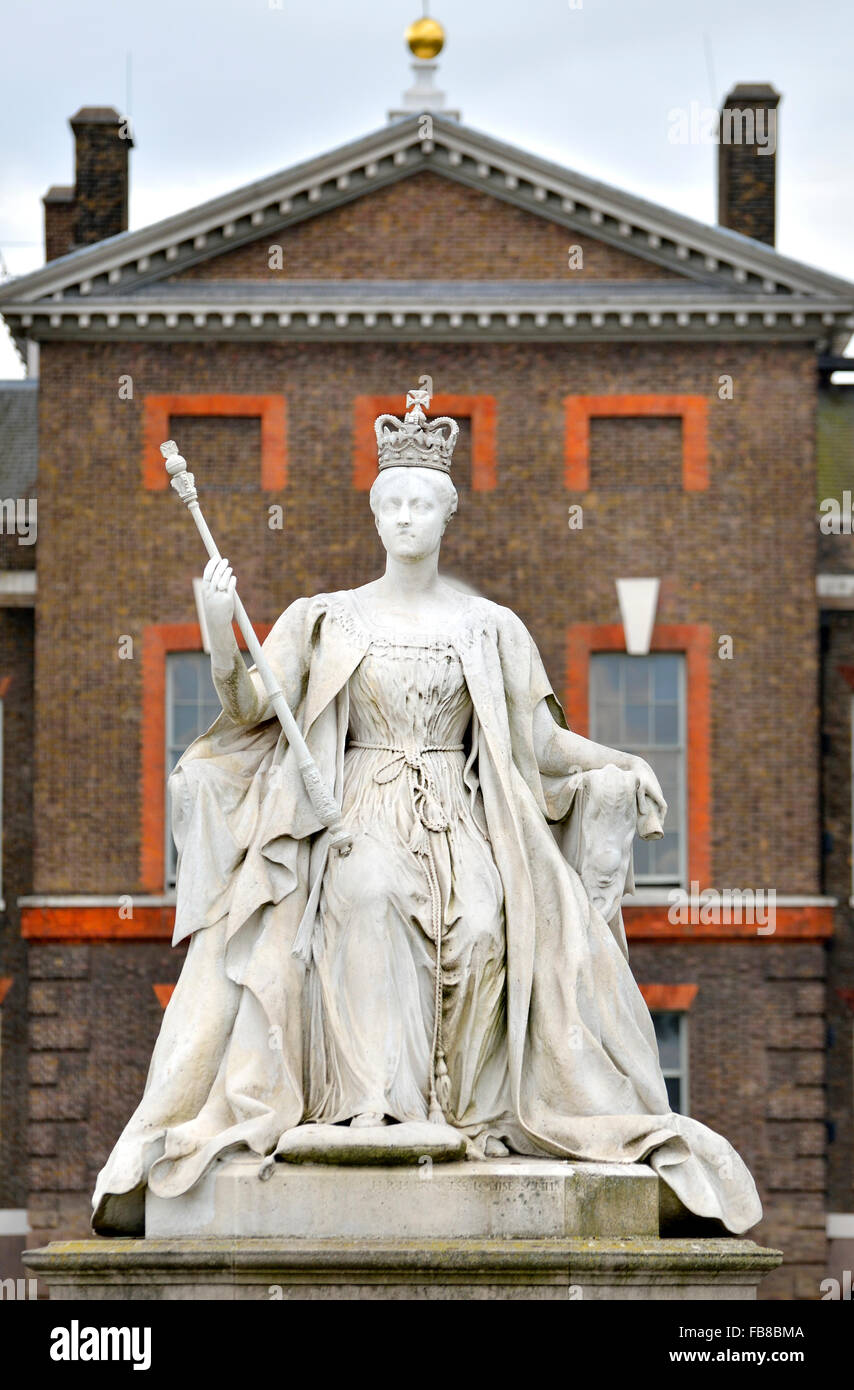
(411, 514)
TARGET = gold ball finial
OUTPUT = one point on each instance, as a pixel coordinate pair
(426, 38)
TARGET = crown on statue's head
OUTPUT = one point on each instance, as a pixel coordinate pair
(415, 441)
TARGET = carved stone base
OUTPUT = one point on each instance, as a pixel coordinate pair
(459, 1269)
(514, 1227)
(509, 1198)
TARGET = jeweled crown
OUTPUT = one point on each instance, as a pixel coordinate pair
(415, 441)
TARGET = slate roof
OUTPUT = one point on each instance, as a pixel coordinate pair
(19, 438)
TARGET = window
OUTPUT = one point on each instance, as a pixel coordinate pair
(671, 1032)
(637, 703)
(158, 412)
(692, 410)
(192, 705)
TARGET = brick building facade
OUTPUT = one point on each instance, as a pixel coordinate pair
(639, 397)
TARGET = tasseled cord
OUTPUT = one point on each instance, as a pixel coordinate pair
(439, 1100)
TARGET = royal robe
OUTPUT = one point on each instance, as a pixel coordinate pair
(229, 1066)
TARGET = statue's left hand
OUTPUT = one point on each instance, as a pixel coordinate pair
(651, 802)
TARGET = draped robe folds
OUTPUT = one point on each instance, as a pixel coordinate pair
(230, 1065)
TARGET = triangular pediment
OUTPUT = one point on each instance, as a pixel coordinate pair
(658, 236)
(673, 273)
(428, 227)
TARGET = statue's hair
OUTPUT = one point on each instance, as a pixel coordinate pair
(442, 483)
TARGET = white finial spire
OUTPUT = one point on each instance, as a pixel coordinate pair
(426, 39)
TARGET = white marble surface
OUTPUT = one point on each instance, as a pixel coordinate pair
(499, 1198)
(466, 960)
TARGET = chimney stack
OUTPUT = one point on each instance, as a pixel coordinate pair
(747, 161)
(97, 206)
(59, 216)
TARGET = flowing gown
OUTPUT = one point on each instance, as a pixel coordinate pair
(421, 859)
(310, 985)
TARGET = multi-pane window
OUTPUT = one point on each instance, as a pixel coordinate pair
(637, 704)
(671, 1032)
(192, 705)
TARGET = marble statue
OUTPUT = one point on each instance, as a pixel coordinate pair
(463, 961)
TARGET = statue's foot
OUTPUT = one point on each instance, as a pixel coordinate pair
(495, 1148)
(369, 1119)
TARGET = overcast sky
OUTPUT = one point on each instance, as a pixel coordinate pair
(224, 92)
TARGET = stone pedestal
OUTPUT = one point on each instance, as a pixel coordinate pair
(508, 1199)
(511, 1228)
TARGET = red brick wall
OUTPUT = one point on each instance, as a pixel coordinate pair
(94, 1022)
(16, 688)
(837, 700)
(756, 1074)
(737, 557)
(426, 228)
(117, 557)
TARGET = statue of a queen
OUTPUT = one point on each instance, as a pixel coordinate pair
(455, 965)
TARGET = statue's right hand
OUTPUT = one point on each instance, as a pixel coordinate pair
(218, 594)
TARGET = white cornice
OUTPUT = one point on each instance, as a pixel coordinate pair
(207, 309)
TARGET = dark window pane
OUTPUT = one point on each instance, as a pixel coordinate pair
(665, 855)
(192, 706)
(643, 856)
(666, 724)
(605, 672)
(667, 1032)
(666, 677)
(185, 724)
(674, 1092)
(184, 677)
(636, 705)
(637, 724)
(210, 710)
(672, 795)
(637, 678)
(666, 766)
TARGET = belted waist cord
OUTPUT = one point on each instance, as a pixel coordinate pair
(422, 790)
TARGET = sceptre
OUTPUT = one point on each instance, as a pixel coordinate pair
(324, 803)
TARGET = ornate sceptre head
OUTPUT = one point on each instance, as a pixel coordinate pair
(182, 480)
(324, 803)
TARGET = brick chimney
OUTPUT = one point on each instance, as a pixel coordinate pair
(97, 206)
(747, 161)
(59, 214)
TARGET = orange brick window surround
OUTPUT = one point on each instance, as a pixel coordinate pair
(694, 640)
(479, 409)
(692, 410)
(669, 998)
(271, 410)
(158, 640)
